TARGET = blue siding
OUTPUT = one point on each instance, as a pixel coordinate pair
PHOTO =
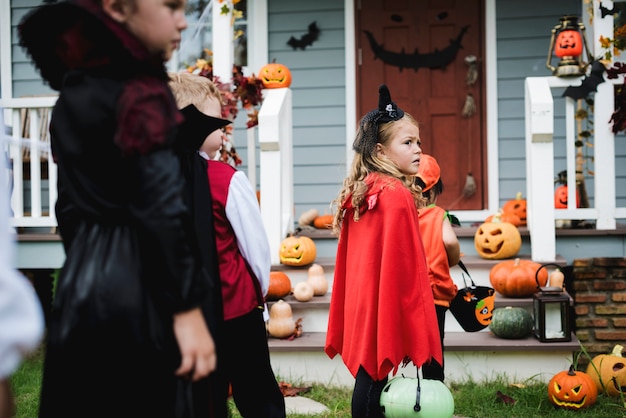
(523, 34)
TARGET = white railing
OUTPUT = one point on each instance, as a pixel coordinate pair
(540, 171)
(29, 119)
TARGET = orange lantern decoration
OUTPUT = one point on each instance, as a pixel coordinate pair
(560, 198)
(567, 41)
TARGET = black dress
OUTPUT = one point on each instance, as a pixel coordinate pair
(131, 259)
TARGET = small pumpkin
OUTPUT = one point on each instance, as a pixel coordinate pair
(297, 251)
(516, 278)
(608, 371)
(511, 323)
(568, 43)
(516, 206)
(323, 221)
(497, 240)
(279, 286)
(571, 389)
(556, 278)
(303, 291)
(281, 323)
(308, 217)
(317, 279)
(275, 75)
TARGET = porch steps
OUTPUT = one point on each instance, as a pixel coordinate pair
(479, 355)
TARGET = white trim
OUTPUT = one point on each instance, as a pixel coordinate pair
(258, 49)
(6, 73)
(491, 80)
(350, 77)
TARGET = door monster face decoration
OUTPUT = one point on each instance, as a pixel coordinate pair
(437, 59)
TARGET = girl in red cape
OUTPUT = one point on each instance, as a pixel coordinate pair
(382, 310)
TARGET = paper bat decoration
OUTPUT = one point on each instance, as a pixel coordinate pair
(605, 11)
(589, 83)
(307, 39)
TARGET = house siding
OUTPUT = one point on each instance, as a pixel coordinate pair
(318, 87)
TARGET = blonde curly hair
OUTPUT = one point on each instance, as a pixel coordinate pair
(367, 162)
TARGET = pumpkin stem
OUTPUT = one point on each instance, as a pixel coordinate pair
(516, 262)
(571, 371)
(518, 196)
(617, 350)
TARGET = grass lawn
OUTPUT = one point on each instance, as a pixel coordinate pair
(494, 399)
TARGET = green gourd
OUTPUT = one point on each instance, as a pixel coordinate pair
(511, 322)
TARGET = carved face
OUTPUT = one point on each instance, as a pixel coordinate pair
(497, 240)
(484, 309)
(572, 390)
(608, 371)
(560, 198)
(297, 251)
(275, 76)
(568, 44)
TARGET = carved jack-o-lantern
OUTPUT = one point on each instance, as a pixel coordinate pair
(297, 251)
(497, 240)
(572, 390)
(608, 371)
(569, 43)
(275, 76)
(560, 198)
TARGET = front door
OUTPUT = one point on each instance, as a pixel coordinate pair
(431, 55)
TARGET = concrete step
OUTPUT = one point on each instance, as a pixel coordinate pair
(480, 356)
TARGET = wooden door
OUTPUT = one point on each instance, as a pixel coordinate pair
(419, 49)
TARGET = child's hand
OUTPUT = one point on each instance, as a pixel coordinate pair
(196, 345)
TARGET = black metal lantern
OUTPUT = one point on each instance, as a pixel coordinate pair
(551, 308)
(567, 41)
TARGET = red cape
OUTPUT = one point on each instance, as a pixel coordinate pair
(382, 309)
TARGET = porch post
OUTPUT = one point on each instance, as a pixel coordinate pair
(223, 48)
(539, 168)
(276, 167)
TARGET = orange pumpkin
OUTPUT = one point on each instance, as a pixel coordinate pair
(572, 390)
(569, 43)
(297, 251)
(275, 76)
(497, 240)
(516, 206)
(516, 278)
(323, 221)
(279, 286)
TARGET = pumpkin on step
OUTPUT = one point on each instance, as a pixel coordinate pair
(297, 251)
(505, 217)
(303, 291)
(497, 240)
(279, 286)
(323, 221)
(317, 279)
(517, 207)
(608, 372)
(281, 323)
(572, 389)
(511, 323)
(516, 278)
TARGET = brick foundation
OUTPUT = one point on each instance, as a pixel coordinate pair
(598, 287)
